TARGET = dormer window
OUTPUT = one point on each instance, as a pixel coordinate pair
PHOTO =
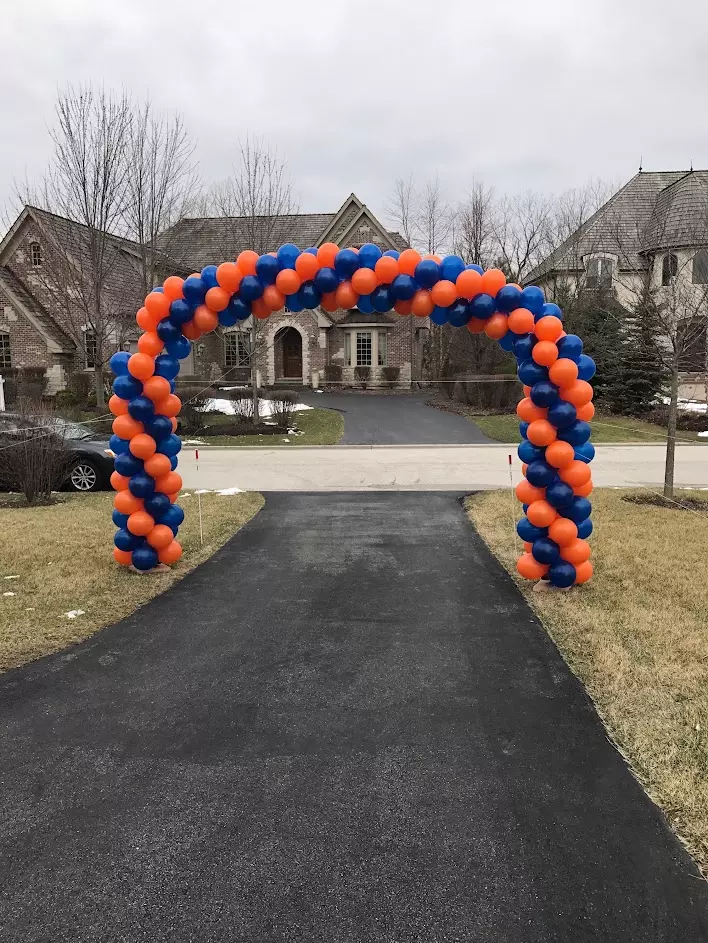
(599, 273)
(669, 269)
(35, 253)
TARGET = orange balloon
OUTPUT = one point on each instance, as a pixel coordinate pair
(469, 284)
(156, 388)
(124, 557)
(527, 410)
(584, 491)
(579, 393)
(273, 297)
(174, 424)
(171, 553)
(346, 296)
(205, 319)
(307, 266)
(118, 406)
(140, 523)
(260, 309)
(583, 572)
(444, 293)
(527, 494)
(386, 269)
(521, 321)
(127, 503)
(150, 344)
(171, 483)
(476, 325)
(364, 281)
(563, 531)
(126, 427)
(586, 412)
(246, 262)
(143, 445)
(326, 255)
(141, 366)
(540, 432)
(528, 546)
(407, 261)
(560, 454)
(172, 288)
(541, 513)
(576, 474)
(288, 281)
(492, 280)
(228, 275)
(422, 303)
(146, 320)
(563, 372)
(545, 353)
(435, 258)
(191, 331)
(169, 406)
(328, 301)
(173, 497)
(158, 305)
(529, 567)
(160, 536)
(158, 465)
(119, 482)
(576, 552)
(217, 299)
(549, 328)
(496, 326)
(524, 468)
(403, 307)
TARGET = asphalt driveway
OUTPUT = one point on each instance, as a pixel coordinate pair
(400, 419)
(346, 727)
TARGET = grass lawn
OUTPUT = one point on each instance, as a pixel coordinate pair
(505, 428)
(319, 427)
(637, 636)
(63, 557)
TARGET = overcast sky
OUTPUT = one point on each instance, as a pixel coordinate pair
(541, 95)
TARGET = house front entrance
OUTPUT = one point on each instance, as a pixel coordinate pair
(288, 354)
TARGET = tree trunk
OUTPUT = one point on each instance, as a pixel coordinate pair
(671, 432)
(254, 377)
(98, 386)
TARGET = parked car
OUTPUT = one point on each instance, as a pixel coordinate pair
(91, 460)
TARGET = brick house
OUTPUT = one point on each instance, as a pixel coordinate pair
(36, 331)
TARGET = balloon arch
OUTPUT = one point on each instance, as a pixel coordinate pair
(555, 447)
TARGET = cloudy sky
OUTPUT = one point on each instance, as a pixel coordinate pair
(541, 95)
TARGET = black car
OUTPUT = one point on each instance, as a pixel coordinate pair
(91, 460)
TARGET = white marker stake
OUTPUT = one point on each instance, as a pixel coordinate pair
(513, 507)
(199, 499)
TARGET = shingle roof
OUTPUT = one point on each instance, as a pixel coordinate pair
(680, 214)
(45, 322)
(356, 317)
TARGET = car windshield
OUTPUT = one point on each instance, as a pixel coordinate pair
(71, 430)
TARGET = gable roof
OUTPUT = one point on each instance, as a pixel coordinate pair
(21, 298)
(680, 214)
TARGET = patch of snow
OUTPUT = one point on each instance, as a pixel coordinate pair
(11, 577)
(74, 613)
(203, 491)
(317, 391)
(9, 594)
(193, 442)
(265, 406)
(30, 609)
(230, 491)
(286, 440)
(703, 435)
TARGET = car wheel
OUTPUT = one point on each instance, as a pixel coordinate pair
(84, 477)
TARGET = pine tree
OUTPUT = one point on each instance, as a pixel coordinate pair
(643, 361)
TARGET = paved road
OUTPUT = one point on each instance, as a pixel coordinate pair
(446, 468)
(346, 727)
(371, 419)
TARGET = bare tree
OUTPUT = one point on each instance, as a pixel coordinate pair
(474, 225)
(523, 233)
(434, 218)
(402, 207)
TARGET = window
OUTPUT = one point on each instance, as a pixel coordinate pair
(669, 269)
(36, 253)
(90, 347)
(383, 348)
(347, 349)
(363, 348)
(700, 267)
(236, 349)
(5, 357)
(599, 273)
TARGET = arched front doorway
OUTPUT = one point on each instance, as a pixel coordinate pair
(288, 354)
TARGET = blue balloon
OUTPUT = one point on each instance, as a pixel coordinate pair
(523, 345)
(308, 296)
(530, 373)
(228, 317)
(287, 256)
(180, 312)
(239, 307)
(118, 446)
(459, 314)
(293, 303)
(209, 276)
(392, 253)
(194, 289)
(179, 348)
(166, 366)
(141, 408)
(313, 250)
(142, 485)
(523, 429)
(532, 298)
(586, 367)
(507, 342)
(570, 346)
(119, 363)
(585, 452)
(475, 268)
(381, 299)
(525, 508)
(562, 415)
(124, 540)
(369, 255)
(159, 289)
(267, 267)
(403, 287)
(326, 280)
(577, 434)
(127, 387)
(545, 550)
(365, 305)
(529, 532)
(427, 273)
(439, 315)
(585, 529)
(251, 288)
(450, 267)
(346, 262)
(551, 310)
(120, 520)
(159, 427)
(482, 306)
(540, 474)
(508, 299)
(173, 463)
(544, 393)
(167, 331)
(128, 465)
(579, 510)
(559, 495)
(173, 516)
(170, 446)
(145, 558)
(562, 574)
(158, 504)
(528, 452)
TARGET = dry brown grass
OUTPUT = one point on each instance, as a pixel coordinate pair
(63, 557)
(637, 636)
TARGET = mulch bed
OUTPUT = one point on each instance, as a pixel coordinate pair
(677, 503)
